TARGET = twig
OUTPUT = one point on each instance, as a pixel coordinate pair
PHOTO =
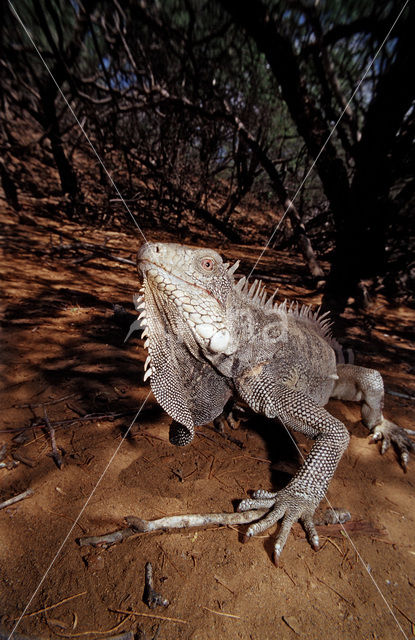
(150, 615)
(52, 606)
(166, 555)
(220, 613)
(334, 545)
(245, 455)
(107, 539)
(404, 615)
(334, 591)
(44, 404)
(93, 631)
(63, 515)
(288, 576)
(151, 598)
(223, 584)
(113, 415)
(55, 454)
(20, 496)
(399, 394)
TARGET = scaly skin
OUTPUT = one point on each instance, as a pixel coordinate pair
(209, 339)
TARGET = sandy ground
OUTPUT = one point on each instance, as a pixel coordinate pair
(63, 352)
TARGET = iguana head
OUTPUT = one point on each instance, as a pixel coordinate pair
(188, 327)
(189, 288)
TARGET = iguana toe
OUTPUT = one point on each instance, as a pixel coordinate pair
(390, 433)
(254, 503)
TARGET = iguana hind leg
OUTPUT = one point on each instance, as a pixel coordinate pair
(366, 386)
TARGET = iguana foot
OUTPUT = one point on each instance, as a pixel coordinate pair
(389, 433)
(289, 506)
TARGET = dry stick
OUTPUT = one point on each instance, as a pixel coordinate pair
(399, 394)
(20, 496)
(352, 604)
(150, 615)
(223, 584)
(112, 415)
(107, 539)
(93, 631)
(55, 454)
(194, 520)
(44, 404)
(220, 613)
(53, 606)
(138, 525)
(151, 598)
(412, 622)
(166, 555)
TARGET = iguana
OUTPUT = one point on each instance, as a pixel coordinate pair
(210, 338)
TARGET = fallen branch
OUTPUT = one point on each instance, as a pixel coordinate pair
(20, 496)
(138, 525)
(194, 520)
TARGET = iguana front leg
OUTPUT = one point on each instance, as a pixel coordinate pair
(301, 497)
(366, 386)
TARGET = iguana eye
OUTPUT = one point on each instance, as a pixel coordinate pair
(207, 264)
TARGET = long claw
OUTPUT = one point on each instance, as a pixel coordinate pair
(282, 536)
(376, 436)
(276, 557)
(310, 529)
(385, 445)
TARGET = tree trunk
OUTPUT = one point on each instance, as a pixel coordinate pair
(361, 238)
(67, 175)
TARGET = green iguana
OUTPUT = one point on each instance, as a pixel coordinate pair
(209, 338)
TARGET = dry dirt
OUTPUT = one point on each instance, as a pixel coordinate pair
(63, 351)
